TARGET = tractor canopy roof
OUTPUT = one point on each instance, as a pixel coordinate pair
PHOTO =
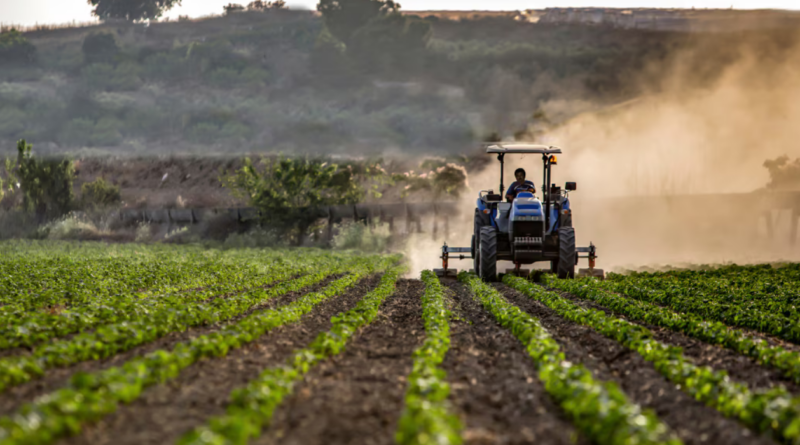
(519, 148)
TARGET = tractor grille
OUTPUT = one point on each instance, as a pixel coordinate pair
(527, 240)
(522, 229)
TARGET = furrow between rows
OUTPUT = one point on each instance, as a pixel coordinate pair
(356, 398)
(693, 422)
(773, 411)
(495, 385)
(89, 397)
(56, 378)
(599, 409)
(167, 411)
(745, 358)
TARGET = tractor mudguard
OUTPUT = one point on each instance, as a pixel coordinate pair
(481, 220)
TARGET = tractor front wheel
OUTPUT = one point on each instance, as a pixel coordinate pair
(487, 254)
(567, 256)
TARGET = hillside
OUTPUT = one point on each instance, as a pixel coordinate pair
(260, 81)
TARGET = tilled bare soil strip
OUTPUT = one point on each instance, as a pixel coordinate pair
(357, 397)
(165, 412)
(694, 422)
(739, 367)
(494, 384)
(13, 398)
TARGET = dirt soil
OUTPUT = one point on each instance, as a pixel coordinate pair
(739, 367)
(164, 182)
(13, 398)
(165, 412)
(693, 422)
(495, 386)
(357, 397)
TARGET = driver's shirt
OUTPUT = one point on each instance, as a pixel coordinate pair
(517, 187)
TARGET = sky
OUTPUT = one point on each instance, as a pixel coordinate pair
(32, 12)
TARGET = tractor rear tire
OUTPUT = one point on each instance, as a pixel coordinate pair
(567, 256)
(488, 254)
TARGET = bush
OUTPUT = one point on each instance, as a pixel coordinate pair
(73, 226)
(99, 193)
(355, 235)
(168, 67)
(15, 49)
(100, 48)
(105, 77)
(225, 77)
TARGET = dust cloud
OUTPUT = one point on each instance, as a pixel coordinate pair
(650, 172)
(671, 148)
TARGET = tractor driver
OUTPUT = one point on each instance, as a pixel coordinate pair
(520, 185)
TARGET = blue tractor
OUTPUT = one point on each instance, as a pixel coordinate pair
(527, 229)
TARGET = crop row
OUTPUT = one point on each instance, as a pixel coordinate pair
(772, 410)
(252, 406)
(111, 339)
(737, 274)
(28, 285)
(70, 281)
(735, 308)
(772, 289)
(599, 409)
(31, 283)
(426, 418)
(35, 327)
(90, 396)
(712, 332)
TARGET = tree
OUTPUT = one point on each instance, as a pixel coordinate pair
(344, 17)
(16, 49)
(131, 10)
(284, 189)
(100, 48)
(46, 184)
(260, 5)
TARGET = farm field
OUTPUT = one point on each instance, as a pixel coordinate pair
(133, 344)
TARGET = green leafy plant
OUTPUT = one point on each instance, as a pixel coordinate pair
(89, 397)
(600, 410)
(709, 331)
(252, 407)
(747, 297)
(427, 418)
(771, 410)
(99, 193)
